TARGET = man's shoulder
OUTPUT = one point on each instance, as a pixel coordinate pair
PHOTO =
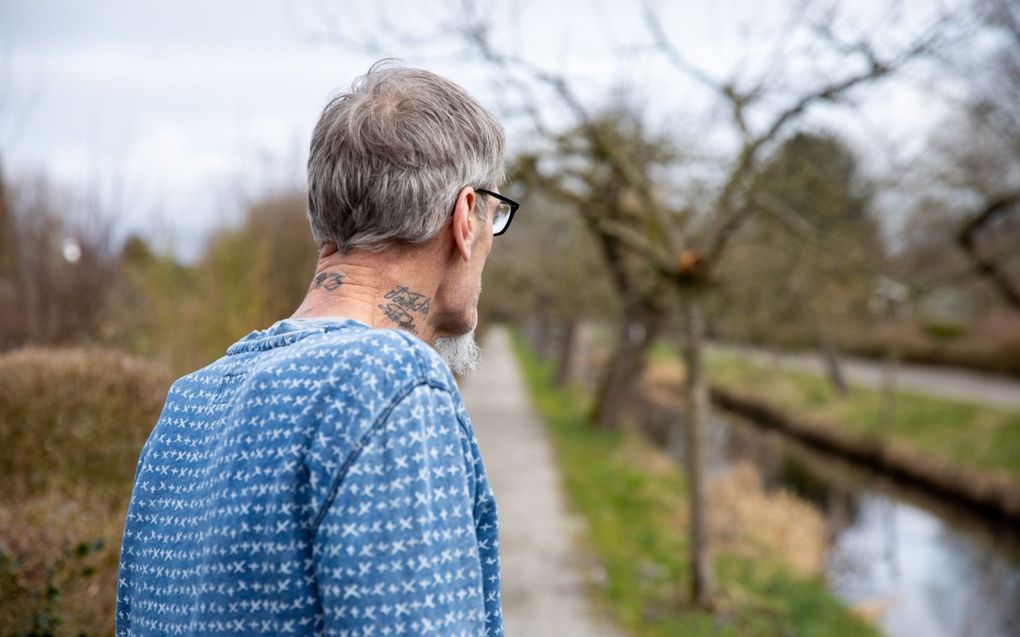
(396, 354)
(388, 357)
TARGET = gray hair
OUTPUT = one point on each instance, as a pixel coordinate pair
(389, 157)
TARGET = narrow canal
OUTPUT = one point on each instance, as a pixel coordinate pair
(920, 566)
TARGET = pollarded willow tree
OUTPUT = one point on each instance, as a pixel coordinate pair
(584, 168)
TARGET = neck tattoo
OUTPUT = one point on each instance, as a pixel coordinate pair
(401, 303)
(330, 281)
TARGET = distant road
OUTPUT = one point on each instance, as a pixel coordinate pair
(948, 382)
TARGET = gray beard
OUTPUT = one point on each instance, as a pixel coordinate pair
(460, 353)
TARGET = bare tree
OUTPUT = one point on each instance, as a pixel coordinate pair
(548, 276)
(583, 170)
(986, 266)
(807, 263)
(994, 115)
(59, 266)
(10, 323)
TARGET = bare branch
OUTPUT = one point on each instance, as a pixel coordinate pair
(876, 68)
(637, 243)
(728, 212)
(478, 36)
(789, 219)
(663, 44)
(728, 227)
(987, 267)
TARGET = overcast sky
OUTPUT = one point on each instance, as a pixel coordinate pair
(183, 104)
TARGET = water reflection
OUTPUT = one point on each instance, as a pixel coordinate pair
(919, 575)
(912, 563)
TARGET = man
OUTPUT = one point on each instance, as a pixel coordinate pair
(323, 476)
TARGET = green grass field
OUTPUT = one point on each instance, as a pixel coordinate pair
(634, 505)
(973, 435)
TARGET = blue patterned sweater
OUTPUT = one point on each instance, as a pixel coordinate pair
(321, 478)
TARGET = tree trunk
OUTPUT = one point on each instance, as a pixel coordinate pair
(12, 297)
(890, 371)
(539, 328)
(638, 329)
(833, 368)
(692, 441)
(564, 368)
(830, 357)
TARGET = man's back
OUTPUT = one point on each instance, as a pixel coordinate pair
(322, 477)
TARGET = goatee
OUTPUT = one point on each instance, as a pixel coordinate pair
(460, 353)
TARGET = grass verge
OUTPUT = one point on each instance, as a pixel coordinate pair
(972, 435)
(634, 505)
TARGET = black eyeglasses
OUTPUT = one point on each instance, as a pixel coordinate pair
(504, 214)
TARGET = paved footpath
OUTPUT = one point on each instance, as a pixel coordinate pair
(543, 579)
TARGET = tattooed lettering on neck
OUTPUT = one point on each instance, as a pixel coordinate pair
(402, 301)
(409, 300)
(330, 281)
(399, 316)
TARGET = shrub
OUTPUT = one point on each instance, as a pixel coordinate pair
(72, 423)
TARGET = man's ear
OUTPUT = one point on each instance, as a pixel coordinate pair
(465, 224)
(327, 249)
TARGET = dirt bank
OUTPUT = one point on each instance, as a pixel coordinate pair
(993, 494)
